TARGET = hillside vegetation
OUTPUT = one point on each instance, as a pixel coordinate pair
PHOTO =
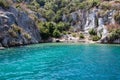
(56, 18)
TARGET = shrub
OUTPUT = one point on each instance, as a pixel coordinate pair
(41, 2)
(64, 32)
(56, 33)
(81, 36)
(117, 17)
(105, 6)
(82, 5)
(4, 3)
(95, 38)
(61, 26)
(27, 36)
(95, 2)
(19, 1)
(12, 33)
(115, 34)
(92, 3)
(51, 27)
(44, 32)
(92, 32)
(74, 34)
(16, 28)
(49, 14)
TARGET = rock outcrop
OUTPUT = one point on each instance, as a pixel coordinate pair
(17, 28)
(94, 18)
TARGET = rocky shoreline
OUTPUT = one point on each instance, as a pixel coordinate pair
(19, 26)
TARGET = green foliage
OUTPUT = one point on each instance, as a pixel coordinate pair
(57, 18)
(74, 34)
(115, 34)
(34, 5)
(93, 3)
(12, 33)
(105, 6)
(81, 36)
(82, 5)
(95, 38)
(53, 10)
(56, 33)
(61, 26)
(27, 36)
(117, 17)
(65, 32)
(19, 1)
(4, 3)
(52, 29)
(49, 14)
(44, 31)
(41, 2)
(92, 32)
(16, 28)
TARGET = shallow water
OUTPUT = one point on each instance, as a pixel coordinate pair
(56, 61)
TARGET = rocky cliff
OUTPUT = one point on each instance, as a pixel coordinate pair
(18, 23)
(95, 18)
(17, 28)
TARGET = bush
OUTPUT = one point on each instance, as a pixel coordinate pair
(92, 32)
(19, 1)
(117, 17)
(64, 32)
(16, 28)
(12, 33)
(56, 33)
(27, 36)
(114, 35)
(51, 27)
(81, 36)
(61, 26)
(74, 34)
(105, 6)
(49, 14)
(41, 2)
(44, 32)
(95, 38)
(94, 2)
(4, 3)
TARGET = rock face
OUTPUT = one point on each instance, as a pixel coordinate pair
(94, 18)
(16, 28)
(86, 19)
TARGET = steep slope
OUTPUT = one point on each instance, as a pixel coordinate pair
(33, 21)
(17, 28)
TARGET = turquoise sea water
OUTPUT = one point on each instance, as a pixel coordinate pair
(61, 62)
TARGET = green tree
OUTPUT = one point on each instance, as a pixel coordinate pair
(81, 36)
(44, 31)
(56, 33)
(92, 32)
(49, 14)
(51, 27)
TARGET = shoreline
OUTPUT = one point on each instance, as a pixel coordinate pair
(2, 48)
(61, 41)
